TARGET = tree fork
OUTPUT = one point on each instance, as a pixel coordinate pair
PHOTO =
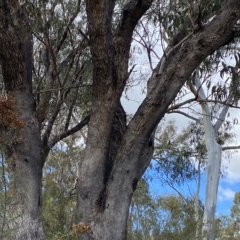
(133, 153)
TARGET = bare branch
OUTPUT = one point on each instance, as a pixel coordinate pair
(174, 48)
(176, 106)
(220, 102)
(67, 88)
(69, 132)
(230, 148)
(186, 115)
(51, 121)
(148, 48)
(84, 35)
(67, 27)
(70, 110)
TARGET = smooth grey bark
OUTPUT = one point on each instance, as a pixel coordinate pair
(103, 202)
(214, 151)
(24, 156)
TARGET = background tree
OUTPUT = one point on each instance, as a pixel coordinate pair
(227, 226)
(160, 217)
(59, 193)
(215, 106)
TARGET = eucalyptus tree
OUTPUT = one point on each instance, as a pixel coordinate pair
(227, 227)
(160, 217)
(113, 163)
(44, 74)
(224, 94)
(212, 125)
(59, 192)
(214, 149)
(116, 154)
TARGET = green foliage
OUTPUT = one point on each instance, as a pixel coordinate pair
(142, 218)
(228, 227)
(59, 199)
(174, 153)
(160, 218)
(235, 209)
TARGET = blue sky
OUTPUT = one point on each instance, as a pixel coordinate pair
(225, 194)
(228, 186)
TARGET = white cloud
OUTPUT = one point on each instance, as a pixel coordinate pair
(225, 194)
(233, 169)
(233, 163)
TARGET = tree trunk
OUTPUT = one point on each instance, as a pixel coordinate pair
(212, 183)
(112, 166)
(214, 151)
(24, 153)
(24, 160)
(108, 219)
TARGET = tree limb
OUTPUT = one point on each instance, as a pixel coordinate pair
(230, 147)
(69, 132)
(186, 115)
(70, 111)
(176, 106)
(131, 14)
(64, 36)
(186, 59)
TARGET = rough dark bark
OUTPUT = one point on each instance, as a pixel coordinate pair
(24, 155)
(106, 181)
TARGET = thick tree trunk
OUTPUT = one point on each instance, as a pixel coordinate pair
(25, 165)
(108, 219)
(112, 166)
(98, 205)
(24, 153)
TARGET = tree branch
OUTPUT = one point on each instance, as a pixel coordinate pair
(70, 110)
(49, 145)
(68, 25)
(186, 59)
(131, 14)
(186, 115)
(230, 147)
(51, 121)
(220, 102)
(176, 106)
(69, 132)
